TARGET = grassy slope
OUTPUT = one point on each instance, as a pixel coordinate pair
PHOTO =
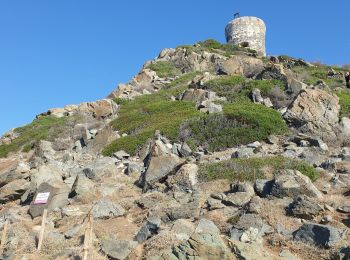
(40, 129)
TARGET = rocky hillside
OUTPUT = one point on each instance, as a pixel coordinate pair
(209, 152)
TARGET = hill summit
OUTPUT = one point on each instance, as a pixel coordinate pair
(212, 151)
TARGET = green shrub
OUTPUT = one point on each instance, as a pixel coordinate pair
(241, 123)
(237, 88)
(253, 168)
(344, 100)
(44, 128)
(165, 69)
(141, 117)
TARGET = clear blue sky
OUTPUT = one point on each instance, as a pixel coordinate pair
(59, 52)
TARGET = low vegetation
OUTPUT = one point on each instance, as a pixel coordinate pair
(44, 128)
(214, 46)
(236, 88)
(241, 123)
(253, 168)
(311, 75)
(165, 69)
(344, 100)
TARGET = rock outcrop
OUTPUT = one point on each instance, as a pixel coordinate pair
(314, 111)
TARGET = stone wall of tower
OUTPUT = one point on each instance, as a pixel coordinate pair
(249, 31)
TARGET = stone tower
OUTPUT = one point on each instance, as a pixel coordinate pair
(247, 31)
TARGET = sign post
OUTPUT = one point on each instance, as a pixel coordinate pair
(42, 230)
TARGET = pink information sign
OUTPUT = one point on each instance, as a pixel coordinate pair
(42, 198)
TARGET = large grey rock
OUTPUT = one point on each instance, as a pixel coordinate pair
(133, 168)
(345, 126)
(237, 199)
(13, 190)
(295, 86)
(189, 207)
(247, 221)
(58, 198)
(50, 173)
(101, 167)
(45, 151)
(185, 150)
(314, 111)
(183, 229)
(263, 187)
(313, 156)
(73, 231)
(117, 249)
(159, 168)
(256, 96)
(243, 153)
(185, 178)
(82, 186)
(292, 183)
(214, 204)
(104, 209)
(241, 65)
(207, 226)
(120, 155)
(249, 251)
(200, 246)
(183, 212)
(195, 95)
(319, 235)
(11, 170)
(149, 229)
(304, 207)
(242, 187)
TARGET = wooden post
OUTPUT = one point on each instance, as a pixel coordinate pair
(42, 230)
(3, 237)
(88, 237)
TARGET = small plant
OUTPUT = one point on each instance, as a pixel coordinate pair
(234, 220)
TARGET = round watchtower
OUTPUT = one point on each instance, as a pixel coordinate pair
(247, 31)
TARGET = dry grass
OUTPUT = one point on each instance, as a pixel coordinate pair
(276, 243)
(122, 227)
(273, 212)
